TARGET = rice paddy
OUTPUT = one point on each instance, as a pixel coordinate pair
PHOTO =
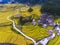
(36, 32)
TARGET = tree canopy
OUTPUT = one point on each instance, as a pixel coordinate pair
(29, 2)
(51, 7)
(30, 10)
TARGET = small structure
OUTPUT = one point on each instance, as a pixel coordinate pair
(50, 31)
(33, 22)
(50, 20)
(57, 28)
(52, 35)
(44, 25)
(17, 16)
(39, 22)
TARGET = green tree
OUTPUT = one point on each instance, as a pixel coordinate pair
(51, 7)
(30, 9)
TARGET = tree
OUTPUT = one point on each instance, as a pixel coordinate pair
(23, 20)
(30, 9)
(51, 7)
(31, 2)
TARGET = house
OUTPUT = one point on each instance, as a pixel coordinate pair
(33, 22)
(57, 28)
(17, 16)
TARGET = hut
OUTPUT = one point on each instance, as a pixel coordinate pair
(17, 16)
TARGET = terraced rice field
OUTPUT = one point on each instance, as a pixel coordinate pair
(6, 33)
(35, 32)
(8, 36)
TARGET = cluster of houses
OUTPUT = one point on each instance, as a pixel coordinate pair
(48, 20)
(45, 20)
